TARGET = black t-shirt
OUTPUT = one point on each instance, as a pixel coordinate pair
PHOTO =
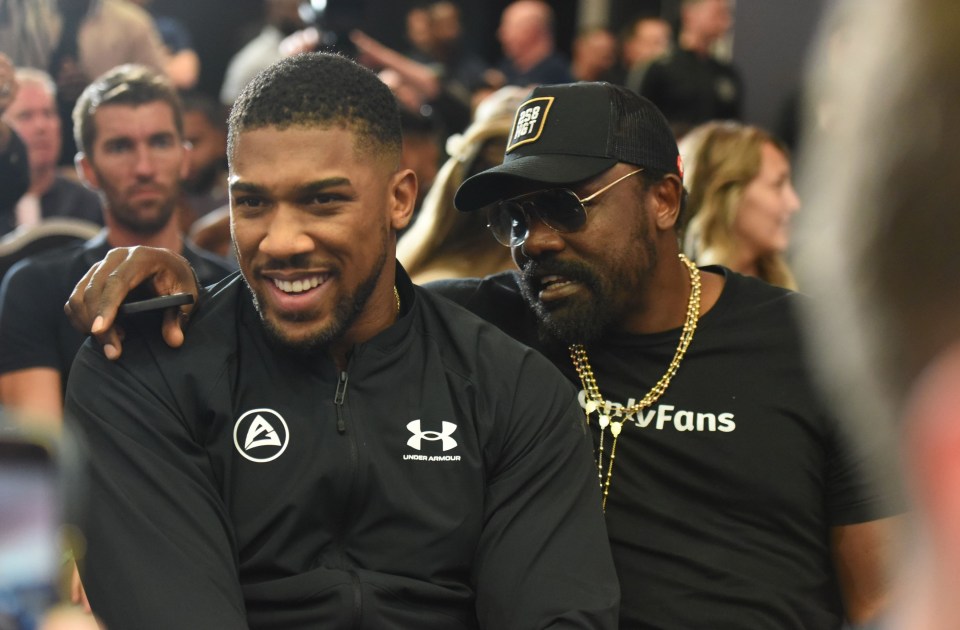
(690, 89)
(34, 332)
(554, 68)
(69, 199)
(724, 491)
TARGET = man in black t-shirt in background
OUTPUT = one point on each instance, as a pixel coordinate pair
(129, 128)
(33, 115)
(691, 85)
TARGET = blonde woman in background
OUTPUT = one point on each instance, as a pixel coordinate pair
(741, 201)
(443, 242)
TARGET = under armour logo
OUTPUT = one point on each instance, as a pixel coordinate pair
(264, 431)
(432, 436)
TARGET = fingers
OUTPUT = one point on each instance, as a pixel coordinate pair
(74, 308)
(93, 305)
(174, 319)
(111, 341)
(108, 287)
(86, 313)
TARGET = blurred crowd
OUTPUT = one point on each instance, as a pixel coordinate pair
(58, 46)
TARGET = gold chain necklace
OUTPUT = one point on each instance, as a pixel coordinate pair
(607, 410)
(396, 294)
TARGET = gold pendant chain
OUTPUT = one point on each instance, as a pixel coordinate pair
(396, 294)
(606, 409)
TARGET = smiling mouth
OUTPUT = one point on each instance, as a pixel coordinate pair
(300, 285)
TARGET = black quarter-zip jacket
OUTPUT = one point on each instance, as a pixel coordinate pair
(443, 480)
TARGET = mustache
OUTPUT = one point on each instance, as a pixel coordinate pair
(297, 262)
(534, 270)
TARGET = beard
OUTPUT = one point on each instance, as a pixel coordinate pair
(610, 291)
(204, 179)
(133, 220)
(345, 312)
(580, 318)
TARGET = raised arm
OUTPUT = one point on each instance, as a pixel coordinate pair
(92, 307)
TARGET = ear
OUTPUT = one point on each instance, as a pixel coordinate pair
(402, 198)
(666, 196)
(86, 171)
(933, 450)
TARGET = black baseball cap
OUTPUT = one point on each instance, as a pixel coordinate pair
(571, 132)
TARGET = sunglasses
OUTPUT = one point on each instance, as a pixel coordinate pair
(560, 209)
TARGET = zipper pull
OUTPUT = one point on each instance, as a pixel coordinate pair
(338, 401)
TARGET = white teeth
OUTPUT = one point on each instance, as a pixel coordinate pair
(553, 281)
(297, 286)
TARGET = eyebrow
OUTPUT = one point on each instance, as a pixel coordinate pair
(309, 187)
(130, 139)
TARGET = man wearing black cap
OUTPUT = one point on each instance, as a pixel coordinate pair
(730, 495)
(731, 498)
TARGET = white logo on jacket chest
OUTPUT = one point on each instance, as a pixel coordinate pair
(261, 435)
(444, 436)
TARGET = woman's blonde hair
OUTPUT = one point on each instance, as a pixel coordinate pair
(726, 159)
(441, 234)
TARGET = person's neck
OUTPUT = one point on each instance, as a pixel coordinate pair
(533, 55)
(695, 42)
(663, 305)
(42, 178)
(169, 237)
(379, 313)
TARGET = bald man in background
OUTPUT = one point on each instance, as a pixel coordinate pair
(529, 50)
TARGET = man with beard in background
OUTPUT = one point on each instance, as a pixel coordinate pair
(129, 128)
(205, 184)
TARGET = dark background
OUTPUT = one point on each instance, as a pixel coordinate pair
(770, 38)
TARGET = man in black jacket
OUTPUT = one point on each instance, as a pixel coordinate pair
(336, 447)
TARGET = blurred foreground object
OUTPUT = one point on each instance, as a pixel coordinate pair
(881, 255)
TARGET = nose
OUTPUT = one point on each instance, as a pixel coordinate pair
(285, 235)
(144, 166)
(793, 199)
(541, 239)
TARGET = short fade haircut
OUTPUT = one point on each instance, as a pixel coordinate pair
(129, 84)
(321, 90)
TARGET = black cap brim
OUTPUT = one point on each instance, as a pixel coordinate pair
(512, 178)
